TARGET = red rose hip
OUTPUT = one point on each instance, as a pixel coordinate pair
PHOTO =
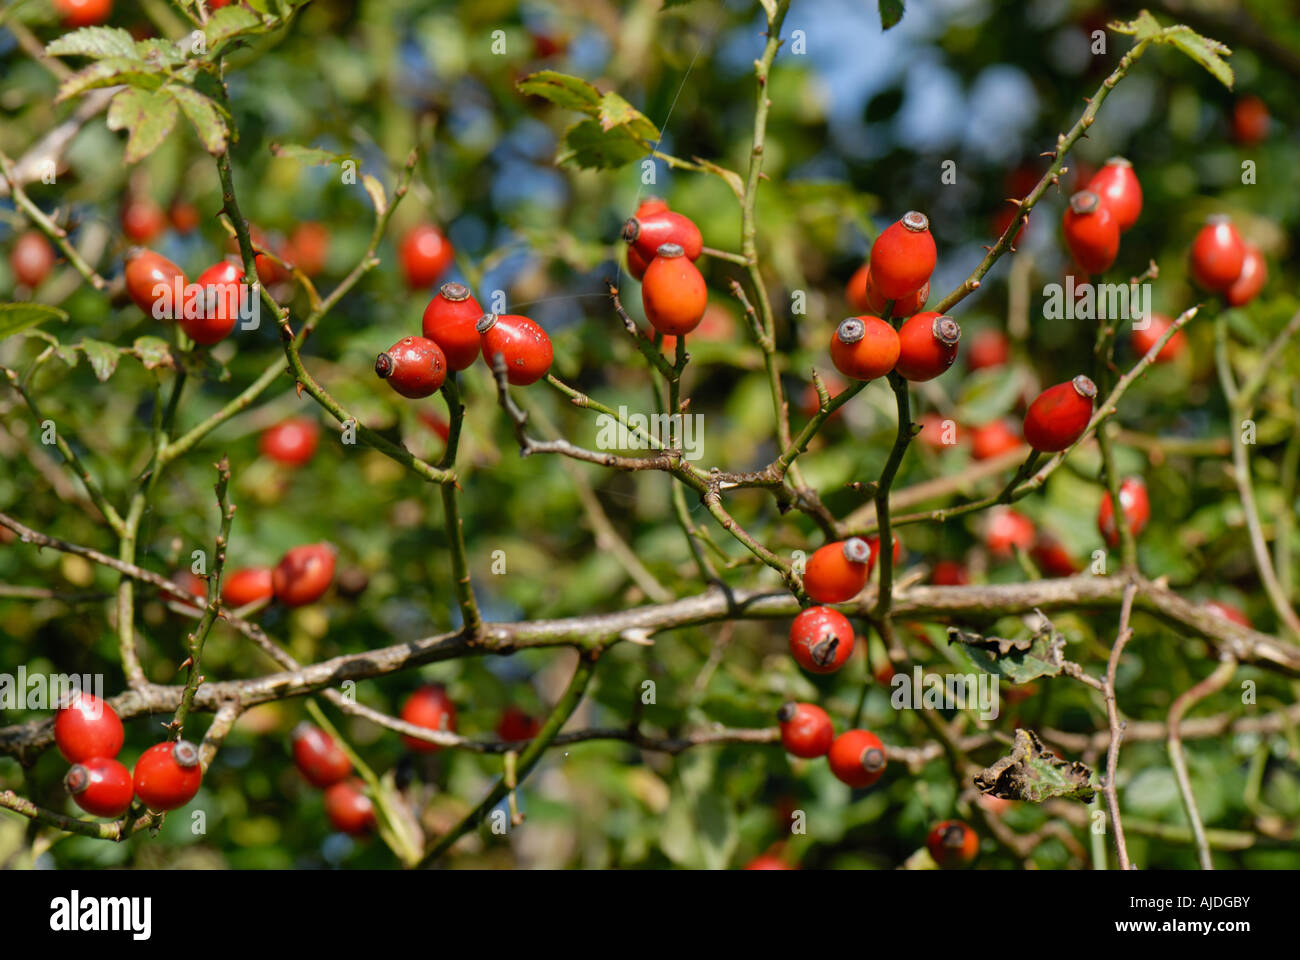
(1135, 504)
(147, 276)
(903, 257)
(348, 808)
(1059, 415)
(222, 294)
(414, 366)
(927, 346)
(1145, 338)
(1091, 232)
(248, 585)
(806, 729)
(426, 255)
(1118, 187)
(864, 348)
(429, 707)
(31, 259)
(1251, 280)
(87, 727)
(838, 571)
(646, 234)
(522, 343)
(318, 758)
(303, 574)
(449, 321)
(101, 786)
(291, 442)
(1218, 254)
(821, 640)
(857, 757)
(953, 844)
(167, 775)
(673, 292)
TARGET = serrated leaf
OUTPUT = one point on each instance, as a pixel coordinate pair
(1204, 51)
(617, 112)
(159, 51)
(1020, 659)
(1143, 27)
(17, 317)
(203, 115)
(891, 12)
(110, 73)
(588, 146)
(97, 42)
(313, 156)
(148, 116)
(377, 195)
(103, 357)
(228, 22)
(573, 93)
(153, 352)
(1032, 772)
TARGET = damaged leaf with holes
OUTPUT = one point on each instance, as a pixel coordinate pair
(1034, 773)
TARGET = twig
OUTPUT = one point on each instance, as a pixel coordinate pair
(1110, 788)
(1212, 684)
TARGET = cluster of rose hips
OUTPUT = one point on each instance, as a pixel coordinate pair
(301, 577)
(455, 330)
(89, 734)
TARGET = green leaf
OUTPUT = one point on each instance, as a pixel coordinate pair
(588, 146)
(148, 116)
(891, 11)
(715, 820)
(312, 156)
(97, 42)
(203, 115)
(1204, 51)
(103, 357)
(574, 93)
(153, 352)
(1032, 772)
(110, 73)
(229, 22)
(1020, 660)
(617, 112)
(1144, 27)
(17, 317)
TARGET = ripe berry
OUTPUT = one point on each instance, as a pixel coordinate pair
(303, 574)
(903, 257)
(855, 291)
(1006, 529)
(864, 348)
(806, 729)
(1059, 415)
(1091, 232)
(905, 307)
(768, 861)
(516, 726)
(1250, 121)
(184, 216)
(647, 234)
(988, 348)
(101, 786)
(449, 321)
(857, 757)
(927, 346)
(167, 775)
(223, 290)
(838, 571)
(31, 259)
(1118, 187)
(429, 707)
(1051, 557)
(319, 758)
(87, 727)
(636, 263)
(673, 292)
(1251, 280)
(1143, 340)
(953, 844)
(83, 13)
(349, 810)
(821, 640)
(994, 439)
(949, 573)
(414, 366)
(1218, 253)
(291, 442)
(142, 220)
(249, 585)
(1228, 612)
(308, 247)
(147, 274)
(526, 347)
(1137, 510)
(426, 255)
